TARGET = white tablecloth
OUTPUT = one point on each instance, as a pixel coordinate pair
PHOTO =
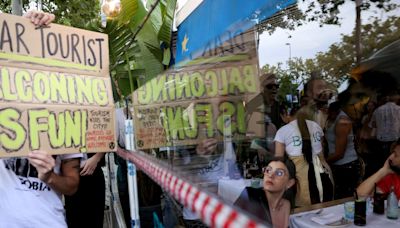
(230, 190)
(303, 219)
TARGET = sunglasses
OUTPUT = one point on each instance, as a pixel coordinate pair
(272, 86)
(277, 172)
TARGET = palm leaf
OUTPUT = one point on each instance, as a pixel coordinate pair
(168, 10)
(156, 16)
(151, 64)
(167, 56)
(132, 57)
(129, 8)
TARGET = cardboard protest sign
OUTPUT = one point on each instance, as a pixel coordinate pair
(55, 89)
(186, 105)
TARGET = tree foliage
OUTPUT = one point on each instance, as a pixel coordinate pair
(327, 11)
(139, 43)
(321, 11)
(336, 63)
(76, 13)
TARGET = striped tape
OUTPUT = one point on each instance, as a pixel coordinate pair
(210, 209)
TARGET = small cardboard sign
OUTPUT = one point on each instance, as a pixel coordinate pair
(55, 89)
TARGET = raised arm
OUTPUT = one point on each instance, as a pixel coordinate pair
(66, 182)
(366, 188)
(279, 149)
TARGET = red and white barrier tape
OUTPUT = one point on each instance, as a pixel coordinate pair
(210, 209)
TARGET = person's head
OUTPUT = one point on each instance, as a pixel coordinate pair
(371, 105)
(269, 87)
(373, 84)
(394, 160)
(315, 87)
(318, 92)
(379, 82)
(393, 96)
(304, 100)
(354, 100)
(280, 176)
(288, 114)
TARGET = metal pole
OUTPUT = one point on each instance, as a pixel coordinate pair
(132, 176)
(358, 32)
(290, 72)
(290, 51)
(39, 5)
(16, 7)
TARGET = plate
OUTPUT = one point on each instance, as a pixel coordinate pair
(341, 223)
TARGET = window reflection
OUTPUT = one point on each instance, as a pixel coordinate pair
(327, 106)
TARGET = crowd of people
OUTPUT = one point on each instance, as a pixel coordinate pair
(321, 150)
(337, 142)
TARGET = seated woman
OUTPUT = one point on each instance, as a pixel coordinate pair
(386, 177)
(273, 202)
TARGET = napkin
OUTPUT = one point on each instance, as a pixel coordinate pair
(324, 219)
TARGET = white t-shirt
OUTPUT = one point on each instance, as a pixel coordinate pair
(291, 137)
(26, 201)
(386, 119)
(120, 126)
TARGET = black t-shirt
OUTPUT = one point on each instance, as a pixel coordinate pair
(254, 201)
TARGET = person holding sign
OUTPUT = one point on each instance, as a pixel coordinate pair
(31, 187)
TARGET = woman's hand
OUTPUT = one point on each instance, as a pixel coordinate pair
(207, 146)
(386, 167)
(91, 164)
(43, 162)
(39, 18)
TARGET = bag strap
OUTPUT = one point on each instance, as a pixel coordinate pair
(305, 136)
(307, 153)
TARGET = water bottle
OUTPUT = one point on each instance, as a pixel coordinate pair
(392, 205)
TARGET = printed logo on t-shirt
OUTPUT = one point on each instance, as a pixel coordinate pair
(212, 166)
(316, 137)
(296, 140)
(33, 184)
(26, 173)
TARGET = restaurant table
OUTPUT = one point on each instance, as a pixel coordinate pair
(302, 216)
(230, 189)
